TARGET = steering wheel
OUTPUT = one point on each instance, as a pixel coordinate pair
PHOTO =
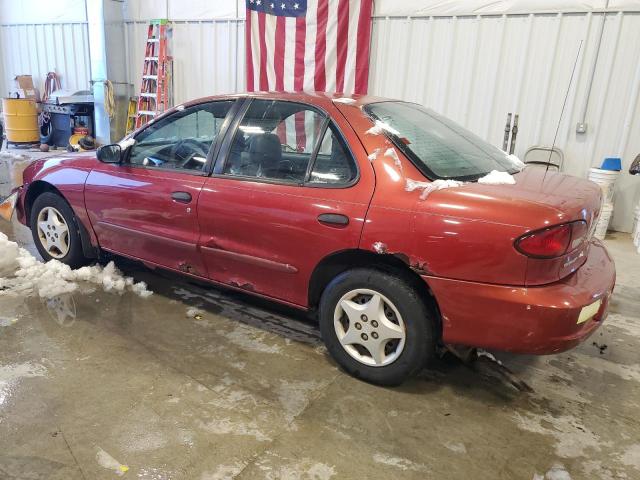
(184, 151)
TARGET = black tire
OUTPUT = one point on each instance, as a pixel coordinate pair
(74, 257)
(419, 321)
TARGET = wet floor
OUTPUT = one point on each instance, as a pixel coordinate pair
(99, 385)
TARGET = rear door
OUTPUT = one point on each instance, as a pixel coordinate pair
(286, 192)
(146, 207)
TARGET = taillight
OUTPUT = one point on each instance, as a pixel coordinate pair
(579, 234)
(554, 241)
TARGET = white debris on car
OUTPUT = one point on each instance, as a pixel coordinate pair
(373, 155)
(126, 143)
(346, 100)
(380, 247)
(391, 153)
(381, 127)
(23, 274)
(497, 178)
(517, 163)
(428, 187)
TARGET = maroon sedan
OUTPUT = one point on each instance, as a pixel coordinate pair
(398, 226)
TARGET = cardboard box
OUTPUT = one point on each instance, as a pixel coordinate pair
(25, 88)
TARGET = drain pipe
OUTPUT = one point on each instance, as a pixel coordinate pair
(581, 127)
(98, 55)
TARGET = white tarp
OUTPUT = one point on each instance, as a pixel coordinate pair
(479, 7)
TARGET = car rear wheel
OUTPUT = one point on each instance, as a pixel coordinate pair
(376, 326)
(55, 230)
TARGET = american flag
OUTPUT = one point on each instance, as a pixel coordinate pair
(312, 45)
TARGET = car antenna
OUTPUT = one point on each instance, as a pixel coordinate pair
(564, 104)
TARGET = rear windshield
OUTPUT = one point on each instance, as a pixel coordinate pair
(439, 147)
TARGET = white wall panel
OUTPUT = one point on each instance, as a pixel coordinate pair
(208, 56)
(37, 49)
(476, 69)
(42, 11)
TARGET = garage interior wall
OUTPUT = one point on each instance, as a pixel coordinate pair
(473, 61)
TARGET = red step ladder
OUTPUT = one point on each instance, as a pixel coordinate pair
(155, 91)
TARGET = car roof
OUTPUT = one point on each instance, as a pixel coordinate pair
(319, 99)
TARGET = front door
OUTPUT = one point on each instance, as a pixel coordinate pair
(288, 193)
(146, 207)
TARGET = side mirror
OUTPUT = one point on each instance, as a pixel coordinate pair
(110, 153)
(634, 169)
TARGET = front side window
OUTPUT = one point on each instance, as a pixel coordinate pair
(437, 146)
(275, 141)
(182, 140)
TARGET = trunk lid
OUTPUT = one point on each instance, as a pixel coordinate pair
(538, 200)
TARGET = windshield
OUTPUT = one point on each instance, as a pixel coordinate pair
(439, 147)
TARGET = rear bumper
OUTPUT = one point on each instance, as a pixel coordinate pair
(536, 320)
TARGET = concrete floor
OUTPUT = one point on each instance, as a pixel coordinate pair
(93, 386)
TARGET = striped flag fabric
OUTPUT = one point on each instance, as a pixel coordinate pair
(308, 45)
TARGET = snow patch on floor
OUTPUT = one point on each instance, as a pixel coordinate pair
(399, 463)
(14, 373)
(456, 447)
(7, 321)
(294, 397)
(250, 339)
(557, 472)
(497, 178)
(225, 472)
(22, 274)
(572, 438)
(303, 468)
(631, 457)
(193, 312)
(226, 426)
(429, 187)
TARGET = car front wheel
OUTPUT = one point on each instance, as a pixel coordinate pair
(55, 230)
(376, 326)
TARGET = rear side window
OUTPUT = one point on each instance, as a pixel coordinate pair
(333, 164)
(291, 143)
(439, 147)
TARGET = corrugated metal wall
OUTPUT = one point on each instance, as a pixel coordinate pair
(37, 49)
(208, 56)
(476, 69)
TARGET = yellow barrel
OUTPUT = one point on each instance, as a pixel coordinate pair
(20, 120)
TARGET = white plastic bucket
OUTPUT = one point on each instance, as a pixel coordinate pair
(606, 179)
(603, 221)
(635, 235)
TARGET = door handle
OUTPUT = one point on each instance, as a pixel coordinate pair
(182, 197)
(333, 219)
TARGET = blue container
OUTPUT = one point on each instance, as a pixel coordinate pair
(612, 163)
